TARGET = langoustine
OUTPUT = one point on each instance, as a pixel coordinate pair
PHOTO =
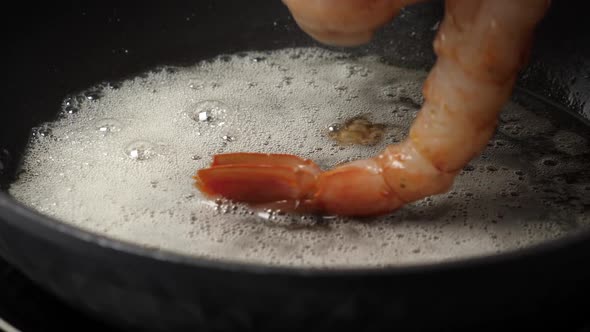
(481, 46)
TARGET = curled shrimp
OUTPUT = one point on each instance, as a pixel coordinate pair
(481, 46)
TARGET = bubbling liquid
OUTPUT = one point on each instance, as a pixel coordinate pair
(119, 162)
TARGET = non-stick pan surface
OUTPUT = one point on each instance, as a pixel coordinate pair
(51, 52)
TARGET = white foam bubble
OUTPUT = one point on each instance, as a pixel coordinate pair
(121, 164)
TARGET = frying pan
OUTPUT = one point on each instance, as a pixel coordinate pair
(54, 51)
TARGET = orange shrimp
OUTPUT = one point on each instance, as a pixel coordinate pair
(480, 47)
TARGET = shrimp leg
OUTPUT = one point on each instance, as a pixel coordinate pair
(480, 47)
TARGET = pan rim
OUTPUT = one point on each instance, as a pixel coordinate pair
(48, 227)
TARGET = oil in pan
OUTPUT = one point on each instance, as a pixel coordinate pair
(119, 162)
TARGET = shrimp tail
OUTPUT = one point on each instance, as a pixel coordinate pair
(280, 180)
(294, 184)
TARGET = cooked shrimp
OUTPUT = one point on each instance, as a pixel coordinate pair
(481, 45)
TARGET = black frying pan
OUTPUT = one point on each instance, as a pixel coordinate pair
(52, 52)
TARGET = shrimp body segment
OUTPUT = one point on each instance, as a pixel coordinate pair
(481, 46)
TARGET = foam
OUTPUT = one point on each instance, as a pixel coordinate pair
(119, 162)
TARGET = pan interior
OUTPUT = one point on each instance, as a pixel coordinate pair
(119, 159)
